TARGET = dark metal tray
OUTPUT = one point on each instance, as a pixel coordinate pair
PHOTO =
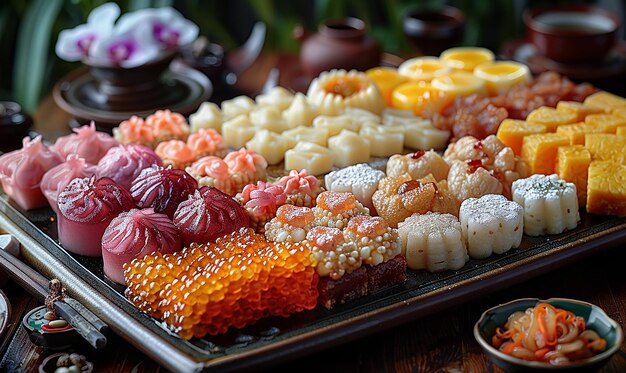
(274, 339)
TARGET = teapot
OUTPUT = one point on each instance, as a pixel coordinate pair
(338, 44)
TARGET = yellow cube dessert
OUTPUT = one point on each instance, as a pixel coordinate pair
(539, 151)
(606, 147)
(606, 101)
(512, 131)
(621, 131)
(572, 163)
(551, 117)
(607, 122)
(580, 109)
(606, 188)
(576, 132)
(620, 112)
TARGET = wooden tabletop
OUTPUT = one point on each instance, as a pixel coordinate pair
(441, 342)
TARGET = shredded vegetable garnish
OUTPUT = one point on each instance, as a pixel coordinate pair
(547, 334)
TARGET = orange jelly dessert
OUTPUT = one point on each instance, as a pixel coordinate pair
(207, 289)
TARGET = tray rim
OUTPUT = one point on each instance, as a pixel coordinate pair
(365, 323)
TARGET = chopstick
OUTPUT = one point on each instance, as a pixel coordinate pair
(36, 284)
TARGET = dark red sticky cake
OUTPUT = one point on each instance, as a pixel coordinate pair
(162, 189)
(86, 207)
(208, 214)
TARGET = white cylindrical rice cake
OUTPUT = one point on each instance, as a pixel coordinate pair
(550, 204)
(491, 224)
(432, 241)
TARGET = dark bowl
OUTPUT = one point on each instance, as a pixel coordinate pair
(434, 30)
(14, 125)
(595, 317)
(574, 34)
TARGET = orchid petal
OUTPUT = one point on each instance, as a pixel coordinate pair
(104, 15)
(124, 50)
(74, 44)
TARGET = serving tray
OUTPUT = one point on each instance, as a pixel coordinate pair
(274, 339)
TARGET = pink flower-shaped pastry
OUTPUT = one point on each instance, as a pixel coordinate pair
(207, 215)
(86, 207)
(246, 167)
(261, 200)
(207, 142)
(212, 171)
(162, 188)
(301, 188)
(167, 125)
(135, 234)
(21, 172)
(175, 153)
(124, 163)
(60, 176)
(135, 130)
(88, 143)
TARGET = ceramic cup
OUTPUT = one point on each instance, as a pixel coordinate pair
(434, 30)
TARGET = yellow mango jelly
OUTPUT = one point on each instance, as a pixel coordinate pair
(423, 68)
(466, 58)
(386, 79)
(407, 95)
(500, 76)
(459, 84)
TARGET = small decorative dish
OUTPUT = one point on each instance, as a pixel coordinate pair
(596, 320)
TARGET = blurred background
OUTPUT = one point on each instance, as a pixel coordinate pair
(29, 28)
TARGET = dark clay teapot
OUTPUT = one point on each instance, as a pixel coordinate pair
(338, 44)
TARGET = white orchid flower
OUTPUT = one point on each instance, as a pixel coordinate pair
(167, 26)
(127, 50)
(75, 44)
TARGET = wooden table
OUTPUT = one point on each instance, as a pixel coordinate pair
(441, 342)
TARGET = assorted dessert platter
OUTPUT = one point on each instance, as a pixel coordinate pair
(299, 210)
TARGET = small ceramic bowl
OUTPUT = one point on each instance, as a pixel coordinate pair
(573, 34)
(434, 30)
(595, 317)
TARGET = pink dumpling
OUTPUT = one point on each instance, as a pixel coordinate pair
(135, 234)
(59, 176)
(21, 172)
(86, 207)
(124, 163)
(209, 214)
(86, 142)
(162, 188)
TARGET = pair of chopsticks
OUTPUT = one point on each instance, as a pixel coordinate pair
(88, 325)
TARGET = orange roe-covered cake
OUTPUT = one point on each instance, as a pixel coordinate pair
(232, 283)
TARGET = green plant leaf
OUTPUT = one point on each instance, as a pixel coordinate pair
(139, 4)
(33, 41)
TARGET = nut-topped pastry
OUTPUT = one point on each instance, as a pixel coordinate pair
(59, 176)
(335, 209)
(124, 163)
(162, 188)
(418, 164)
(86, 207)
(135, 234)
(375, 240)
(21, 172)
(399, 197)
(290, 224)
